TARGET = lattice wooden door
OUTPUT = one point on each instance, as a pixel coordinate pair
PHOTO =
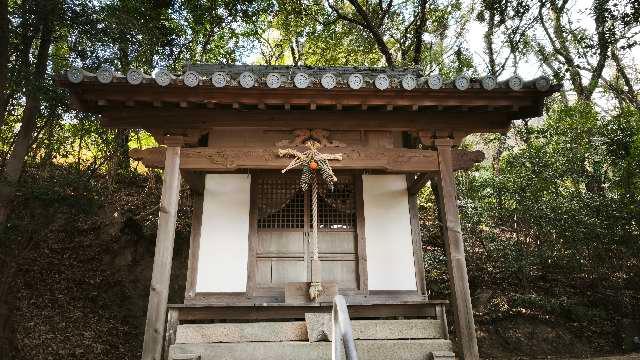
(283, 226)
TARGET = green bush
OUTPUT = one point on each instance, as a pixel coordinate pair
(552, 220)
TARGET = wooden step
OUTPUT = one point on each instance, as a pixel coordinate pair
(367, 350)
(319, 327)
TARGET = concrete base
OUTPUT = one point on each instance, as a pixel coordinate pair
(367, 350)
(443, 355)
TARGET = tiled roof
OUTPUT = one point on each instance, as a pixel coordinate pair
(263, 76)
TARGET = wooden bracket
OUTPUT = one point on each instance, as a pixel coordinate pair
(174, 140)
(178, 137)
(439, 137)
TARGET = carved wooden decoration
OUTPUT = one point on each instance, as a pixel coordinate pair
(301, 135)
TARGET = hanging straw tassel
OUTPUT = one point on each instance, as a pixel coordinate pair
(312, 163)
(315, 289)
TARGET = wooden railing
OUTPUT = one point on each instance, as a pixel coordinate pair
(342, 332)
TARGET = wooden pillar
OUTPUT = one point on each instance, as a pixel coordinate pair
(171, 330)
(159, 290)
(416, 235)
(465, 327)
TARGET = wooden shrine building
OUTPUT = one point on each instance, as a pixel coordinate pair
(222, 129)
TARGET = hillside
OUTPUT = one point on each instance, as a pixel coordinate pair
(83, 279)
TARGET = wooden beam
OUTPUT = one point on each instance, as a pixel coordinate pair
(197, 200)
(202, 118)
(263, 311)
(393, 160)
(465, 327)
(159, 289)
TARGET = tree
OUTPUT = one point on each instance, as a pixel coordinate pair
(47, 13)
(398, 30)
(507, 25)
(4, 58)
(570, 49)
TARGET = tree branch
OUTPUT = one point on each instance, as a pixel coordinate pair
(558, 42)
(367, 24)
(630, 94)
(417, 35)
(600, 9)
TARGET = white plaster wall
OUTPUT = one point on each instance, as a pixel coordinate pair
(389, 244)
(224, 241)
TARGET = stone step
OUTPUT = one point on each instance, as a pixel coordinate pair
(242, 332)
(316, 328)
(367, 350)
(319, 328)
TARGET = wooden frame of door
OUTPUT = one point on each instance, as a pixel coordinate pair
(361, 277)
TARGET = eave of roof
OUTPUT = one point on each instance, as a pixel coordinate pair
(108, 91)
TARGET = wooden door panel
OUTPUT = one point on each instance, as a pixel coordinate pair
(337, 242)
(263, 272)
(278, 272)
(281, 243)
(284, 271)
(342, 271)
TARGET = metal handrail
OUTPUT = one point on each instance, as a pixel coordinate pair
(342, 331)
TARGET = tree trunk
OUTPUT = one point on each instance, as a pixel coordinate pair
(8, 304)
(24, 137)
(630, 93)
(488, 40)
(417, 35)
(368, 25)
(12, 173)
(121, 165)
(4, 58)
